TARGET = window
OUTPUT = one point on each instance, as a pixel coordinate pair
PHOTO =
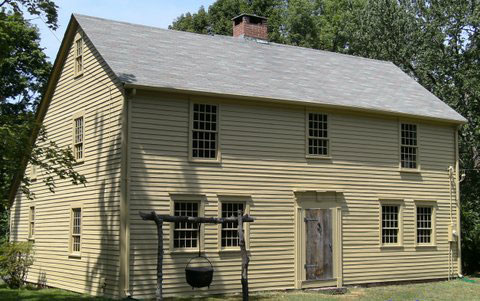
(31, 224)
(409, 146)
(76, 231)
(78, 55)
(204, 144)
(78, 135)
(33, 172)
(390, 224)
(185, 234)
(424, 225)
(229, 234)
(317, 135)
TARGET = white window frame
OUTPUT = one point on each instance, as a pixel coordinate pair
(232, 198)
(391, 202)
(417, 147)
(76, 116)
(218, 157)
(433, 233)
(200, 199)
(308, 137)
(72, 208)
(31, 222)
(79, 55)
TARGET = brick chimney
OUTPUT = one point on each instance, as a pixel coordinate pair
(250, 26)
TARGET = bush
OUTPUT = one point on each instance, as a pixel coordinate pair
(15, 259)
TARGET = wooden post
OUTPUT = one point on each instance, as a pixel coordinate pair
(159, 223)
(245, 259)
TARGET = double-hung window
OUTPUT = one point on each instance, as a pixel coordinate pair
(317, 135)
(409, 146)
(185, 234)
(78, 55)
(204, 132)
(229, 232)
(31, 224)
(76, 230)
(390, 224)
(424, 225)
(78, 137)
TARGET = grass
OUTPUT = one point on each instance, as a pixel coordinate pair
(30, 293)
(446, 290)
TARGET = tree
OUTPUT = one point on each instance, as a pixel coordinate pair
(435, 42)
(24, 72)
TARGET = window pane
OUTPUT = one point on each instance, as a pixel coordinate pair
(424, 224)
(76, 229)
(390, 224)
(318, 134)
(78, 138)
(204, 135)
(230, 229)
(408, 148)
(185, 234)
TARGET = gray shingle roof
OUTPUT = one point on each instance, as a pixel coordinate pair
(149, 56)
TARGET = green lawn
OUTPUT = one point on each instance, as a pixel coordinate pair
(31, 294)
(451, 290)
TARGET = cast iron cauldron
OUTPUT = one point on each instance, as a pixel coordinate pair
(199, 276)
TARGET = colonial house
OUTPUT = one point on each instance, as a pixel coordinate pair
(349, 166)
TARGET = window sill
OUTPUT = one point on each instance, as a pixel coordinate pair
(231, 250)
(212, 161)
(391, 247)
(318, 157)
(78, 75)
(31, 239)
(79, 162)
(75, 256)
(184, 251)
(409, 170)
(425, 246)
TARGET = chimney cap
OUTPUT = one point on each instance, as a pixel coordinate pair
(248, 15)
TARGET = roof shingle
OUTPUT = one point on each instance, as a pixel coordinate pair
(161, 58)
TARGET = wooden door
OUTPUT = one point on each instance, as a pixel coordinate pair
(318, 244)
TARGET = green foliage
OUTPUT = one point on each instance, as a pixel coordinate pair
(15, 260)
(435, 42)
(24, 72)
(38, 8)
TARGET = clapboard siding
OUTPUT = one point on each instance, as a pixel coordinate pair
(263, 154)
(100, 96)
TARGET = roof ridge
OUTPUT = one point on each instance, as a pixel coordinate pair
(231, 38)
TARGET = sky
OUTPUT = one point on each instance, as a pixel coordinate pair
(158, 13)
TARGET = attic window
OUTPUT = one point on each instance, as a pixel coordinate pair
(78, 55)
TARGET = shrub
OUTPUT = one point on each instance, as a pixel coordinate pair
(15, 259)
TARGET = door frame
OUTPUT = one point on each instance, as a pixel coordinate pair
(313, 199)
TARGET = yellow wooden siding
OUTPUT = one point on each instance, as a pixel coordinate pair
(100, 97)
(263, 154)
